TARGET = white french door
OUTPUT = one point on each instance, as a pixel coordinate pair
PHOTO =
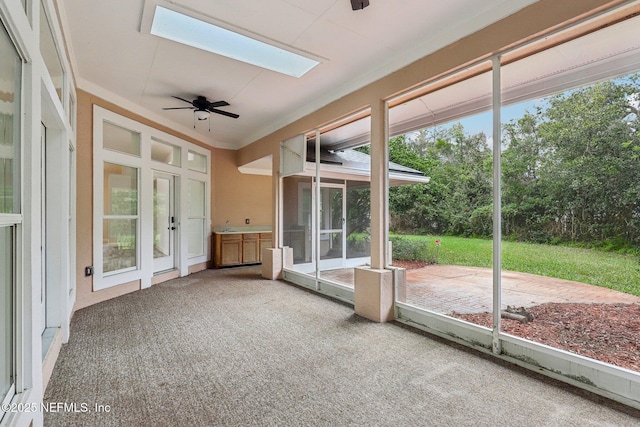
(332, 224)
(164, 222)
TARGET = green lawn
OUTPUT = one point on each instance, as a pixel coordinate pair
(610, 270)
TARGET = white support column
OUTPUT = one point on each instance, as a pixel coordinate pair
(379, 190)
(497, 201)
(276, 191)
(316, 215)
(373, 287)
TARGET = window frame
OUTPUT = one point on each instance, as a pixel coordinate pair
(14, 221)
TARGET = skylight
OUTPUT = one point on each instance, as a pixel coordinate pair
(193, 32)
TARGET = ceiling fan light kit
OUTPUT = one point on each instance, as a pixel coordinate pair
(201, 114)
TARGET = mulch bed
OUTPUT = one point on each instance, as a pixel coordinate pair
(409, 265)
(606, 332)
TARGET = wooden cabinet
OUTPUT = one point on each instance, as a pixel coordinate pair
(265, 242)
(229, 249)
(250, 248)
(239, 248)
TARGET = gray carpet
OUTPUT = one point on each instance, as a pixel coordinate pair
(226, 348)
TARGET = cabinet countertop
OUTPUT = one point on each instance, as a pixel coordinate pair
(241, 230)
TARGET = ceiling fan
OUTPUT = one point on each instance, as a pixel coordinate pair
(202, 107)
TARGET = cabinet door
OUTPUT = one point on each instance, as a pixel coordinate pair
(265, 242)
(250, 251)
(231, 252)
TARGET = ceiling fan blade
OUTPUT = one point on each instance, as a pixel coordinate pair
(218, 104)
(180, 108)
(182, 99)
(224, 113)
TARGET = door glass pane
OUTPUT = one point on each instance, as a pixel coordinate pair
(6, 310)
(331, 208)
(330, 245)
(297, 217)
(49, 52)
(165, 153)
(161, 217)
(9, 126)
(120, 139)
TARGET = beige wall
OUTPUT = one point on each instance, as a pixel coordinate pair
(234, 196)
(237, 196)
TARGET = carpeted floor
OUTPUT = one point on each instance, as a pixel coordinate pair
(226, 348)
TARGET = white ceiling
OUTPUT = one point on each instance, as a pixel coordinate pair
(113, 59)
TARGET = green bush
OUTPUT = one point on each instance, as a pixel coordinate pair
(404, 249)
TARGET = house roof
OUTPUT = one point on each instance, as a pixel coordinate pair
(355, 160)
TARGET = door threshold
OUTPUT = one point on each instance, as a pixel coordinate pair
(171, 270)
(163, 276)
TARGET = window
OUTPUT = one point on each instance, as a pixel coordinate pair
(196, 220)
(120, 221)
(49, 52)
(164, 152)
(197, 162)
(120, 139)
(10, 108)
(7, 287)
(9, 129)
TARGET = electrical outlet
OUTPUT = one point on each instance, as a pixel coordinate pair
(246, 221)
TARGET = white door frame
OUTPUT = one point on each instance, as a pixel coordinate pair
(168, 262)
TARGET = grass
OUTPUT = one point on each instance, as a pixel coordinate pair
(595, 267)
